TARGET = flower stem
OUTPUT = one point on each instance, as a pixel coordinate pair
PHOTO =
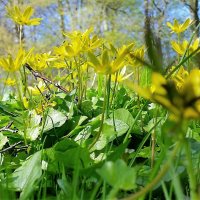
(190, 170)
(102, 121)
(157, 179)
(79, 82)
(20, 35)
(108, 83)
(18, 88)
(114, 89)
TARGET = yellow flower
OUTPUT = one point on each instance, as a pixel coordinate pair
(84, 40)
(182, 47)
(84, 68)
(37, 90)
(68, 49)
(135, 57)
(78, 42)
(179, 77)
(157, 81)
(78, 34)
(58, 64)
(106, 64)
(22, 17)
(40, 61)
(92, 43)
(10, 64)
(71, 47)
(191, 93)
(179, 28)
(10, 81)
(191, 86)
(42, 107)
(184, 103)
(120, 77)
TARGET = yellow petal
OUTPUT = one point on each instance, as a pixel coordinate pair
(28, 12)
(170, 25)
(185, 25)
(177, 48)
(195, 44)
(25, 102)
(190, 113)
(93, 59)
(105, 58)
(33, 22)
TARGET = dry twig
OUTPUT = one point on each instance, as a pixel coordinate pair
(46, 80)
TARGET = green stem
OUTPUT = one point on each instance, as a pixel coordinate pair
(18, 88)
(138, 82)
(133, 124)
(114, 89)
(153, 140)
(20, 35)
(167, 197)
(176, 184)
(79, 82)
(102, 121)
(21, 100)
(100, 84)
(25, 81)
(113, 118)
(141, 143)
(113, 193)
(157, 179)
(108, 83)
(95, 190)
(86, 82)
(104, 190)
(71, 74)
(25, 132)
(190, 170)
(24, 77)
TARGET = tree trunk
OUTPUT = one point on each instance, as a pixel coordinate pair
(62, 19)
(194, 9)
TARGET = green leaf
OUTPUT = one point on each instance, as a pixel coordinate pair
(152, 123)
(74, 124)
(68, 153)
(33, 130)
(5, 110)
(87, 108)
(73, 158)
(110, 132)
(124, 115)
(3, 140)
(65, 145)
(25, 177)
(54, 119)
(118, 175)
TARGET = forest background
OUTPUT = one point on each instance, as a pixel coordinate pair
(119, 21)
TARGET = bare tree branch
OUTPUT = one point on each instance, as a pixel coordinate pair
(46, 80)
(194, 9)
(156, 6)
(7, 128)
(10, 147)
